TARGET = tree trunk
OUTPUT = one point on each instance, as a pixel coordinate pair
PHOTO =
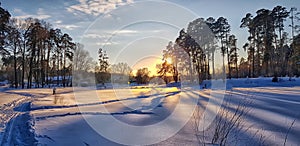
(213, 63)
(236, 64)
(15, 65)
(224, 70)
(29, 81)
(64, 70)
(38, 63)
(23, 64)
(207, 69)
(47, 65)
(253, 54)
(228, 59)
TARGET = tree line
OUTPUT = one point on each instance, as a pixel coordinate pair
(33, 51)
(271, 51)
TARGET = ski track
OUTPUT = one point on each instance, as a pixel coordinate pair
(16, 123)
(136, 112)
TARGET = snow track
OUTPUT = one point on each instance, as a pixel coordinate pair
(16, 121)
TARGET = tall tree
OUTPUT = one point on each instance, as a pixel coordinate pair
(264, 36)
(57, 54)
(172, 57)
(4, 21)
(223, 30)
(295, 57)
(247, 22)
(211, 22)
(82, 60)
(14, 47)
(25, 28)
(233, 54)
(294, 16)
(103, 60)
(195, 53)
(68, 48)
(279, 15)
(32, 43)
(202, 33)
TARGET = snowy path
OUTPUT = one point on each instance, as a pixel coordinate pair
(12, 118)
(15, 118)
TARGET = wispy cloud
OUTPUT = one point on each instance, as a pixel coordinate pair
(100, 39)
(18, 11)
(106, 43)
(96, 7)
(67, 26)
(40, 14)
(33, 16)
(126, 31)
(94, 36)
(104, 35)
(58, 22)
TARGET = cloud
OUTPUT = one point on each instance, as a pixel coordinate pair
(33, 16)
(96, 7)
(67, 26)
(58, 22)
(94, 36)
(40, 14)
(106, 34)
(18, 11)
(126, 31)
(106, 43)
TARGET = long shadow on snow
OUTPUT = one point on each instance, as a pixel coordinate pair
(97, 103)
(135, 111)
(156, 106)
(32, 95)
(22, 94)
(92, 113)
(202, 103)
(267, 124)
(293, 135)
(76, 132)
(276, 107)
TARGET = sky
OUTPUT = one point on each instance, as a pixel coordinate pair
(134, 31)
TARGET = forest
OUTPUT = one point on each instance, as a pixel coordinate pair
(272, 46)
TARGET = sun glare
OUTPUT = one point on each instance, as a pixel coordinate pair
(149, 62)
(169, 60)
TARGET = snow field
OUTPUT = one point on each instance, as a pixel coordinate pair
(48, 119)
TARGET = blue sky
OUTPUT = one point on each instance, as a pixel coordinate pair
(139, 28)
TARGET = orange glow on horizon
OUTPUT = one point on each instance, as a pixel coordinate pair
(148, 62)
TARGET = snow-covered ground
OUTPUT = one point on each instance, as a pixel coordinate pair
(36, 117)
